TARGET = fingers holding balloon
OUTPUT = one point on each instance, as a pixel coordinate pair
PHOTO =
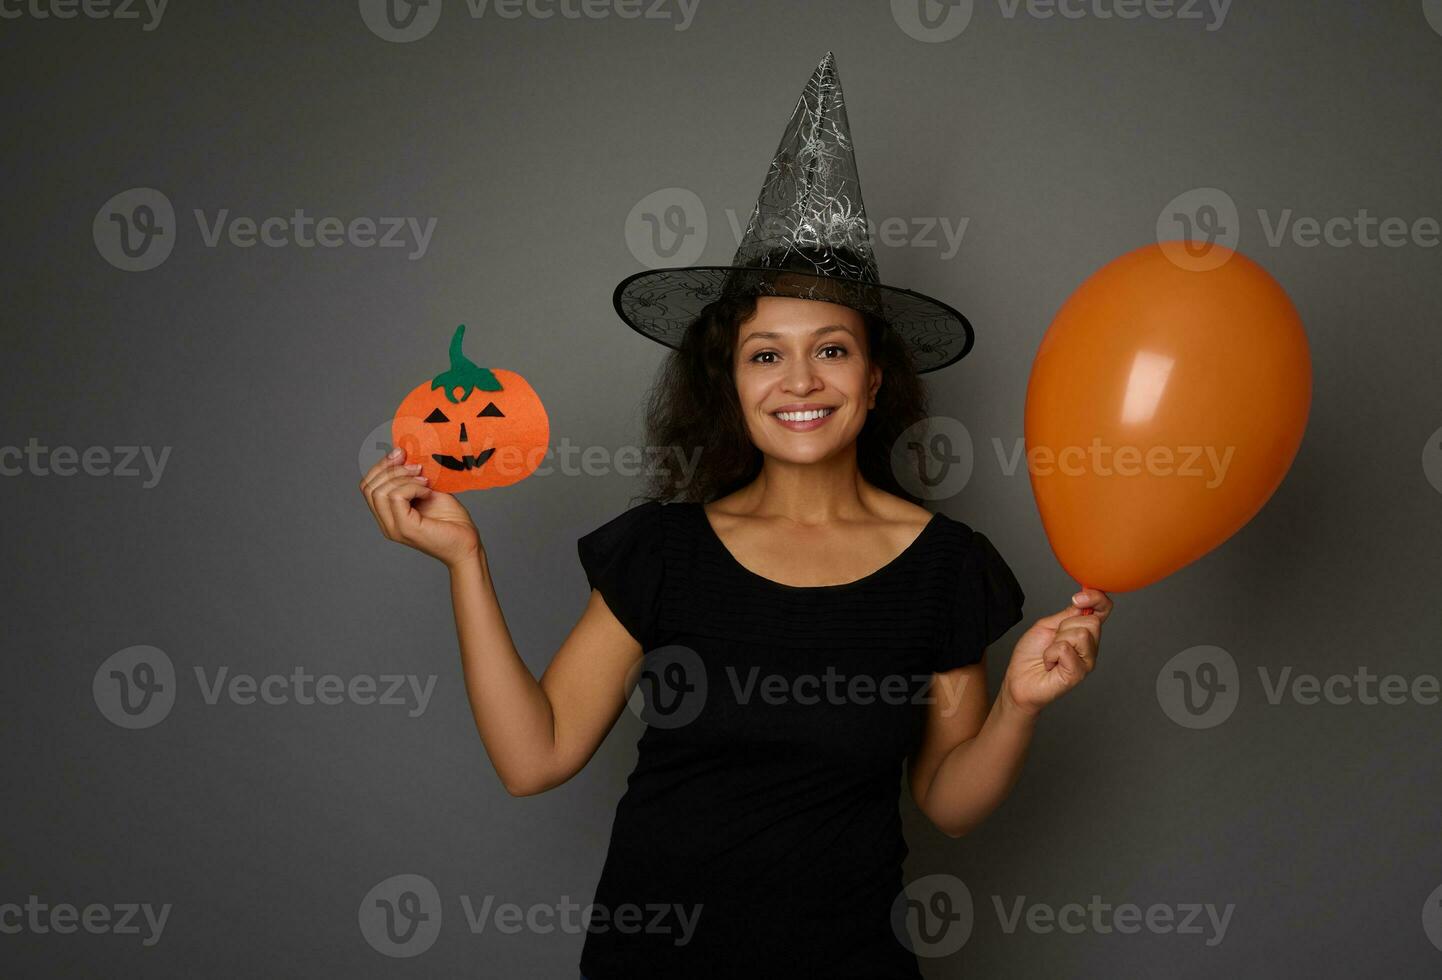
(1093, 602)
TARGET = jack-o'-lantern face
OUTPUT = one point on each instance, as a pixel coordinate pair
(471, 427)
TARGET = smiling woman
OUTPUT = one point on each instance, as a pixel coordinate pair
(801, 629)
(688, 407)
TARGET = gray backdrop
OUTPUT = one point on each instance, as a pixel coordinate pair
(545, 146)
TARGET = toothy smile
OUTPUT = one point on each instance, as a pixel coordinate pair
(806, 416)
(803, 417)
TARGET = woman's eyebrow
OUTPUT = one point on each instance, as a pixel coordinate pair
(771, 335)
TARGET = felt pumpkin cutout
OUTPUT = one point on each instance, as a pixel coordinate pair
(472, 428)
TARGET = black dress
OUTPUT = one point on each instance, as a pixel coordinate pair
(759, 834)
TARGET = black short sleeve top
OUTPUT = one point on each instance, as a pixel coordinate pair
(759, 833)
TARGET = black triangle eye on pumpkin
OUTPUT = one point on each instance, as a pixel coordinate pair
(504, 450)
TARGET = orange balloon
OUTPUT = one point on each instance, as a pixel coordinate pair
(1166, 403)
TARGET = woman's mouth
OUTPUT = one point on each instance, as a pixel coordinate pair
(804, 420)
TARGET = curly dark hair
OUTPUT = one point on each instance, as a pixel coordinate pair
(693, 403)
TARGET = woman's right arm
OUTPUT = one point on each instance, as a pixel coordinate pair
(538, 734)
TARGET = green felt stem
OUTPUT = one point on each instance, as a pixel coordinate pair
(463, 373)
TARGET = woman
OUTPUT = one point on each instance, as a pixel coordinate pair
(802, 626)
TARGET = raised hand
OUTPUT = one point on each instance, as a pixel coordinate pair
(1057, 652)
(411, 513)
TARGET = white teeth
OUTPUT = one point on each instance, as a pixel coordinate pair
(807, 416)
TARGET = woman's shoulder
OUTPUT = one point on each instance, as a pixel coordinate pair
(638, 519)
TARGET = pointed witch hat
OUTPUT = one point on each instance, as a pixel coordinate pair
(808, 238)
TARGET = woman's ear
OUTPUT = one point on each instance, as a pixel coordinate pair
(875, 385)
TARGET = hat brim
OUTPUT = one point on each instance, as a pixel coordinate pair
(660, 303)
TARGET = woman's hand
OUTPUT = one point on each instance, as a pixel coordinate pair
(410, 512)
(1057, 652)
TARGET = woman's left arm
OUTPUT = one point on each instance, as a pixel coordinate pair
(970, 756)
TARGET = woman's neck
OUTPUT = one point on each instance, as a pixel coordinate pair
(807, 493)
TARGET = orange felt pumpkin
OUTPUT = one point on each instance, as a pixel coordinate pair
(472, 428)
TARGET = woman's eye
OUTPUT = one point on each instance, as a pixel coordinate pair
(833, 347)
(765, 353)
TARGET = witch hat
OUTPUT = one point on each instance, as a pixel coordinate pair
(808, 237)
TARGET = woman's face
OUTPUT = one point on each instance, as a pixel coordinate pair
(808, 361)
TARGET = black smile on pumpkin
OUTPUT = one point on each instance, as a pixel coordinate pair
(463, 462)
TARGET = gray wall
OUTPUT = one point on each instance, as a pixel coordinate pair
(261, 372)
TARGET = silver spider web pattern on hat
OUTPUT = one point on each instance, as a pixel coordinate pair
(810, 203)
(808, 237)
